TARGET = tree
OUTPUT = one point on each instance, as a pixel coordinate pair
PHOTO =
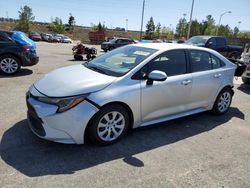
(98, 27)
(25, 18)
(236, 31)
(195, 28)
(166, 33)
(150, 29)
(181, 28)
(71, 21)
(225, 30)
(56, 25)
(158, 30)
(208, 26)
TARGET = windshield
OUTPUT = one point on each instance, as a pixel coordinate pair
(197, 40)
(119, 61)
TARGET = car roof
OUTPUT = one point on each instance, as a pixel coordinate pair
(169, 46)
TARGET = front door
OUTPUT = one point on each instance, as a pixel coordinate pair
(169, 97)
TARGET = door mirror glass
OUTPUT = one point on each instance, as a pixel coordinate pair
(157, 75)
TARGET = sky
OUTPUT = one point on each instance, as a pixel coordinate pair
(114, 13)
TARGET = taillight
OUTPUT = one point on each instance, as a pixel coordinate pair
(27, 48)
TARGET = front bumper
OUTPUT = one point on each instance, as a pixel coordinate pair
(67, 127)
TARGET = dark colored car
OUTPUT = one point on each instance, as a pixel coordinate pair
(115, 43)
(15, 53)
(35, 36)
(217, 43)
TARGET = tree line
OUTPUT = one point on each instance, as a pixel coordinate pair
(205, 27)
(153, 31)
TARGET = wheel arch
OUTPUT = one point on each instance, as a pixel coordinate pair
(131, 116)
(12, 54)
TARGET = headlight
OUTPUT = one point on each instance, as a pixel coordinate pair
(63, 104)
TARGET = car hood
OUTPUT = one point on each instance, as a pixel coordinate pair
(194, 44)
(105, 43)
(71, 81)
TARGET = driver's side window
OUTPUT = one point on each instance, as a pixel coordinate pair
(171, 62)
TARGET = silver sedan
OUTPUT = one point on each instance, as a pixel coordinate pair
(129, 87)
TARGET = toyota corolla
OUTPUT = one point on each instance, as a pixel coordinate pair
(129, 87)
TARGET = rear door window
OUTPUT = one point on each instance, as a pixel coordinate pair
(200, 61)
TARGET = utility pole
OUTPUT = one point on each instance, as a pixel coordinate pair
(142, 17)
(227, 12)
(190, 21)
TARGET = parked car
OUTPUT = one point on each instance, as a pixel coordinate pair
(218, 43)
(35, 36)
(16, 50)
(56, 38)
(132, 86)
(246, 75)
(66, 39)
(115, 43)
(46, 37)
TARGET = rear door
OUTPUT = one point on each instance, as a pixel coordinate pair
(207, 77)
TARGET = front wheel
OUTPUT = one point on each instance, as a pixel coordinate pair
(109, 125)
(223, 101)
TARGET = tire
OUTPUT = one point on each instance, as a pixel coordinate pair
(245, 80)
(111, 48)
(9, 64)
(110, 119)
(88, 56)
(223, 101)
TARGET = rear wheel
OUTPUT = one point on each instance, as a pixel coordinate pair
(88, 56)
(109, 125)
(223, 101)
(9, 64)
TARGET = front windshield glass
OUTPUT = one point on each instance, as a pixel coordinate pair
(198, 40)
(119, 61)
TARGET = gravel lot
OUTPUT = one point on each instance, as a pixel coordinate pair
(197, 151)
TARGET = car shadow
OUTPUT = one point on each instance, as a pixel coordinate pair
(244, 88)
(34, 157)
(22, 72)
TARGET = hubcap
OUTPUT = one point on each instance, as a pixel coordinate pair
(111, 126)
(224, 102)
(9, 65)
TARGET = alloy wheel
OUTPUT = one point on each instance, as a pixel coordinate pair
(111, 126)
(9, 65)
(224, 102)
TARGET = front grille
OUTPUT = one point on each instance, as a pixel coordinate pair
(35, 121)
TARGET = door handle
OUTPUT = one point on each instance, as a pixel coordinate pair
(217, 75)
(186, 82)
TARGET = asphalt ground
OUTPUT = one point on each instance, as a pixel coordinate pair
(202, 150)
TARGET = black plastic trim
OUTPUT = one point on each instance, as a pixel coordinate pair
(93, 103)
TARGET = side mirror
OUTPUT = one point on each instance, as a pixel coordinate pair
(157, 75)
(209, 44)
